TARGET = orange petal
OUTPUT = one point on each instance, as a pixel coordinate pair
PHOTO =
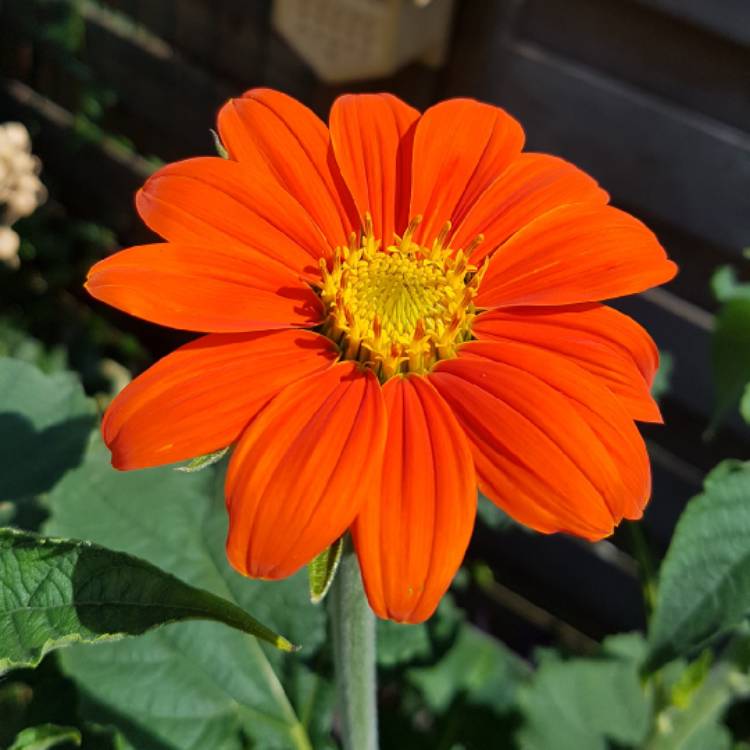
(606, 343)
(208, 288)
(532, 185)
(368, 138)
(460, 147)
(552, 446)
(273, 135)
(303, 469)
(199, 398)
(411, 539)
(575, 253)
(211, 200)
(605, 415)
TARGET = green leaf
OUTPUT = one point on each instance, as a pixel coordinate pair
(704, 585)
(54, 592)
(695, 724)
(477, 667)
(399, 644)
(203, 462)
(46, 736)
(690, 680)
(192, 685)
(16, 343)
(712, 736)
(662, 380)
(45, 422)
(322, 570)
(585, 704)
(745, 404)
(463, 695)
(726, 285)
(731, 355)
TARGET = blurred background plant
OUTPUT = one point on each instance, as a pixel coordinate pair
(21, 190)
(546, 642)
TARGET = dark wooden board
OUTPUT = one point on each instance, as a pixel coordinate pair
(726, 18)
(657, 53)
(226, 37)
(686, 170)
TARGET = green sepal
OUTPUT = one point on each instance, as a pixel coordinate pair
(219, 146)
(203, 462)
(322, 570)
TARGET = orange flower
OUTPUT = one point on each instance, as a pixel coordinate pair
(399, 307)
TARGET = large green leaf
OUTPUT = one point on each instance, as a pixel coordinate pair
(54, 592)
(193, 685)
(586, 704)
(704, 587)
(45, 422)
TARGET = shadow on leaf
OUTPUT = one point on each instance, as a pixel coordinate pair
(32, 461)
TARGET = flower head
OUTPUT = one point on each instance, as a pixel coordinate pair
(399, 308)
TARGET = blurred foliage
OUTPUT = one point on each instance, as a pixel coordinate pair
(731, 345)
(46, 736)
(45, 317)
(57, 31)
(662, 380)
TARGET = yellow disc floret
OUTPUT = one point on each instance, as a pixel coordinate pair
(401, 308)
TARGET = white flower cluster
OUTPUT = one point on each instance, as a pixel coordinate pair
(21, 190)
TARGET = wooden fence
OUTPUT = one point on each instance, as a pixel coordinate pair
(652, 97)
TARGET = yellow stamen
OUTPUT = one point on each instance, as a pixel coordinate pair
(401, 308)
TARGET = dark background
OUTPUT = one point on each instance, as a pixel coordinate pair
(652, 97)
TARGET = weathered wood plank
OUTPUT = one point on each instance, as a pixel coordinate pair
(170, 105)
(227, 37)
(648, 48)
(564, 576)
(728, 18)
(685, 169)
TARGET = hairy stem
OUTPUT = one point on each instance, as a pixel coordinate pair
(353, 631)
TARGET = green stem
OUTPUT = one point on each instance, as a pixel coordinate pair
(353, 630)
(646, 566)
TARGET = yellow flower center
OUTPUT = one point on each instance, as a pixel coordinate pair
(401, 308)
